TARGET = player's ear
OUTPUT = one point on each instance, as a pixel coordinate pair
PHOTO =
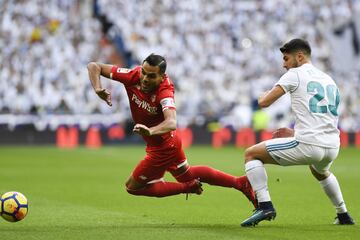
(300, 56)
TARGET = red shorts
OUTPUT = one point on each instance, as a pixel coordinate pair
(159, 159)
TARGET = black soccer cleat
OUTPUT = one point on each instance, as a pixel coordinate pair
(258, 216)
(344, 219)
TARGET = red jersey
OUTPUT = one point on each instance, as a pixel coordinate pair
(146, 108)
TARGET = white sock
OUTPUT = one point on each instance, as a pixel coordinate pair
(333, 191)
(256, 174)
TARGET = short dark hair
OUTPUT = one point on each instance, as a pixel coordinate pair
(295, 45)
(156, 60)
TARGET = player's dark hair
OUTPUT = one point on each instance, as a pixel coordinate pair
(295, 45)
(156, 60)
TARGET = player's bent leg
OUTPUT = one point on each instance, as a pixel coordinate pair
(215, 177)
(159, 188)
(255, 157)
(132, 184)
(331, 187)
(319, 176)
(204, 174)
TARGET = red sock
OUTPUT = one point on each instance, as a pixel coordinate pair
(209, 175)
(160, 189)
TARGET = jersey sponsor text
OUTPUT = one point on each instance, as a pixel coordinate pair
(143, 104)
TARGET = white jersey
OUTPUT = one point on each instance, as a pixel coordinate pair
(314, 100)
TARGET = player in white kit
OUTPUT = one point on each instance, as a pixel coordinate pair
(315, 139)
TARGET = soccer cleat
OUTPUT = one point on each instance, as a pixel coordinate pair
(344, 219)
(258, 216)
(246, 189)
(194, 186)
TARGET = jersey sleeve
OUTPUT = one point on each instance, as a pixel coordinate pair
(125, 75)
(167, 103)
(166, 95)
(289, 81)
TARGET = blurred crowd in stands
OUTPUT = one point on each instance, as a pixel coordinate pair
(221, 54)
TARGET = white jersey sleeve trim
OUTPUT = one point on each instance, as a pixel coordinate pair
(289, 81)
(285, 90)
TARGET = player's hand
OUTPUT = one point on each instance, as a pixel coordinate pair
(142, 130)
(105, 95)
(283, 133)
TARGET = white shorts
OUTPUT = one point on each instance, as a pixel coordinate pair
(289, 152)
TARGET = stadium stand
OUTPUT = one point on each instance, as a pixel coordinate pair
(221, 55)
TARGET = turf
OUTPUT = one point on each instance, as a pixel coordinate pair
(79, 194)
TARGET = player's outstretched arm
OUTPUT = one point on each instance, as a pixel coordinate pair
(95, 70)
(269, 97)
(168, 125)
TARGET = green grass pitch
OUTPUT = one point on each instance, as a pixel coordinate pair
(80, 194)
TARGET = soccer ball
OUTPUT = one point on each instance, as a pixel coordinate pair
(14, 206)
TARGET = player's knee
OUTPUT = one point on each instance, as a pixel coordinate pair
(132, 187)
(131, 191)
(319, 176)
(249, 154)
(128, 184)
(127, 187)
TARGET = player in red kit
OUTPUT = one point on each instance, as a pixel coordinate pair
(151, 96)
